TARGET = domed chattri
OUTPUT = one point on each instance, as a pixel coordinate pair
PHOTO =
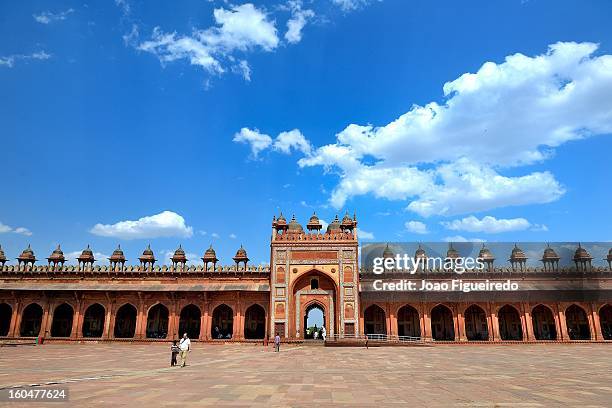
(314, 224)
(210, 256)
(27, 257)
(517, 258)
(347, 223)
(147, 258)
(179, 258)
(294, 226)
(117, 258)
(486, 256)
(241, 256)
(608, 258)
(334, 226)
(420, 254)
(86, 257)
(2, 257)
(57, 257)
(388, 253)
(582, 259)
(550, 259)
(280, 223)
(452, 253)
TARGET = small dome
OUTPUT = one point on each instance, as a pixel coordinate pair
(2, 256)
(550, 254)
(582, 254)
(179, 255)
(87, 252)
(86, 255)
(295, 226)
(485, 254)
(27, 254)
(117, 255)
(241, 255)
(388, 253)
(313, 218)
(210, 255)
(334, 226)
(147, 255)
(517, 255)
(420, 253)
(179, 251)
(281, 221)
(452, 253)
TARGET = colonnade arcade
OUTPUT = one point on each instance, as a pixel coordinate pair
(490, 321)
(232, 318)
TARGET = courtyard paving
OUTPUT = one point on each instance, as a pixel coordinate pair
(246, 375)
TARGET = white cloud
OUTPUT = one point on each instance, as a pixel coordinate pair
(294, 139)
(351, 5)
(202, 232)
(448, 158)
(214, 235)
(164, 224)
(240, 29)
(10, 60)
(124, 5)
(19, 230)
(299, 18)
(232, 236)
(47, 17)
(459, 238)
(364, 234)
(258, 141)
(487, 224)
(416, 227)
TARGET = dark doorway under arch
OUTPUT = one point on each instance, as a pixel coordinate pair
(476, 328)
(442, 325)
(509, 320)
(577, 323)
(605, 319)
(6, 315)
(62, 321)
(223, 322)
(255, 322)
(31, 320)
(190, 321)
(125, 322)
(543, 323)
(375, 321)
(93, 321)
(408, 323)
(157, 322)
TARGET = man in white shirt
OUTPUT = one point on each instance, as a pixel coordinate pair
(185, 346)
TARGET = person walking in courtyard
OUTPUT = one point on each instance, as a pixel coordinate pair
(323, 333)
(175, 350)
(277, 343)
(185, 346)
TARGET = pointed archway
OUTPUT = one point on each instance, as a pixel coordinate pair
(442, 325)
(223, 322)
(31, 320)
(375, 321)
(62, 321)
(125, 322)
(605, 319)
(543, 323)
(476, 328)
(509, 320)
(408, 322)
(189, 321)
(6, 315)
(157, 322)
(577, 323)
(255, 322)
(93, 321)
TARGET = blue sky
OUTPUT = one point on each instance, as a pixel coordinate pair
(213, 115)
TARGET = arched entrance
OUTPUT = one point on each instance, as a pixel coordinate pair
(157, 322)
(62, 321)
(375, 321)
(605, 319)
(125, 322)
(255, 322)
(189, 321)
(408, 323)
(577, 323)
(31, 320)
(93, 322)
(442, 326)
(6, 314)
(543, 323)
(223, 322)
(509, 323)
(313, 287)
(476, 328)
(314, 320)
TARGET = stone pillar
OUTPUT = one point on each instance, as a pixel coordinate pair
(239, 320)
(461, 323)
(489, 318)
(591, 321)
(109, 321)
(141, 321)
(596, 322)
(455, 311)
(80, 319)
(45, 325)
(425, 321)
(14, 327)
(529, 336)
(205, 321)
(75, 320)
(394, 323)
(495, 320)
(388, 319)
(173, 325)
(562, 322)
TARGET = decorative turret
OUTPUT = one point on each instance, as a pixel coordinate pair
(117, 258)
(2, 257)
(313, 223)
(179, 258)
(57, 257)
(388, 253)
(241, 256)
(294, 227)
(517, 258)
(86, 258)
(451, 255)
(334, 226)
(26, 257)
(582, 259)
(608, 258)
(280, 224)
(487, 257)
(420, 257)
(347, 223)
(147, 258)
(210, 256)
(550, 259)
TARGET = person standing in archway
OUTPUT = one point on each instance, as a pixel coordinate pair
(277, 343)
(323, 333)
(185, 346)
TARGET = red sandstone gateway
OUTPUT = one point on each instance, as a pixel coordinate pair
(308, 270)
